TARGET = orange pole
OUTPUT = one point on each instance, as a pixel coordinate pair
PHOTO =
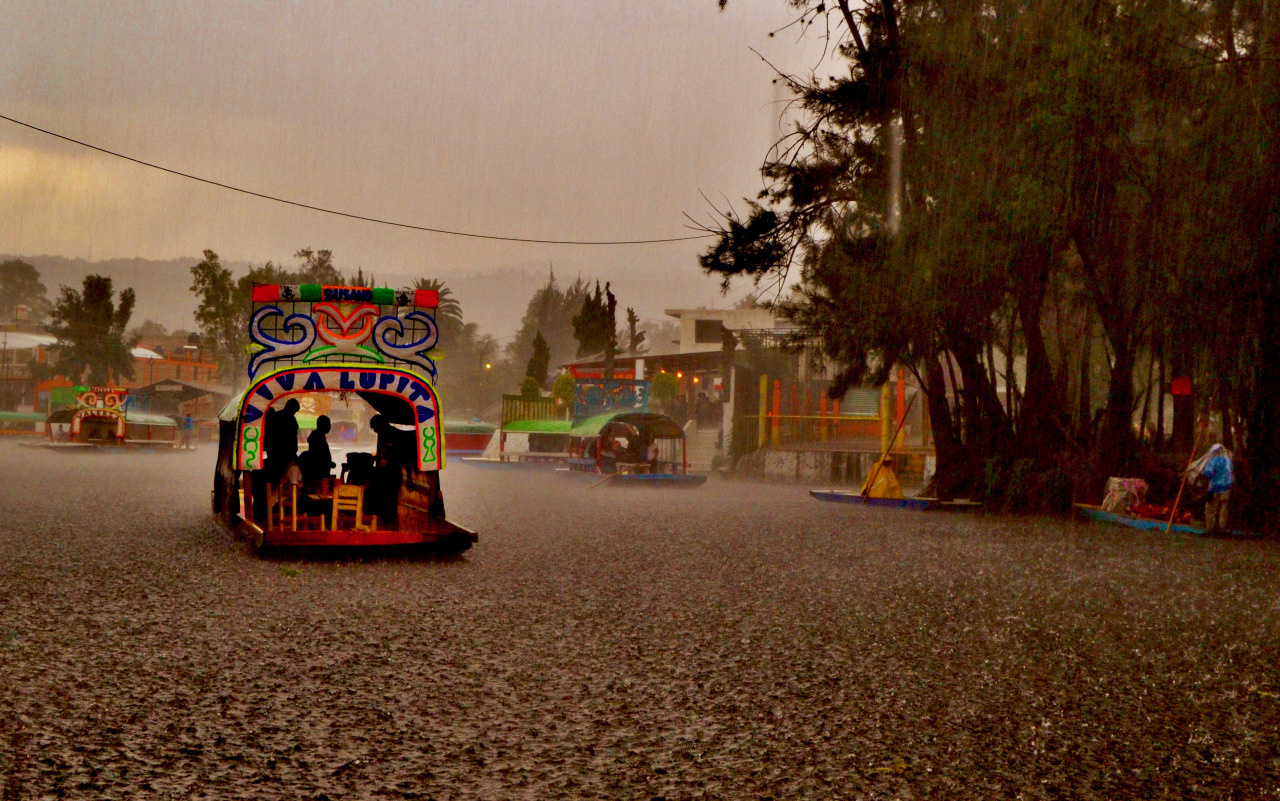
(902, 396)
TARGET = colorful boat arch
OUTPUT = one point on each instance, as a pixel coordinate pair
(270, 390)
(100, 414)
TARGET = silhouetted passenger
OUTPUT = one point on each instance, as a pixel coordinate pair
(317, 462)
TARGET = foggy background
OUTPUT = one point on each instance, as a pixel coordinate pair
(558, 120)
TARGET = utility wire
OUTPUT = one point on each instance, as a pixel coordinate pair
(349, 215)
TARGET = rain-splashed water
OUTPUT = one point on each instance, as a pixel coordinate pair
(736, 641)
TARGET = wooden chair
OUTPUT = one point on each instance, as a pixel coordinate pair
(289, 512)
(349, 498)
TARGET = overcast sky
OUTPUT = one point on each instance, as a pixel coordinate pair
(566, 119)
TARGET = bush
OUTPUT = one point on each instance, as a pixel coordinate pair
(664, 388)
(530, 388)
(562, 389)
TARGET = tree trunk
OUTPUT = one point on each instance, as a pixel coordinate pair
(1160, 403)
(1039, 415)
(1118, 425)
(1085, 400)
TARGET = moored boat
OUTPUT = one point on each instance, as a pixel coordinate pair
(630, 449)
(915, 504)
(1099, 515)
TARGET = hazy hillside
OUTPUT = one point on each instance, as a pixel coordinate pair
(495, 299)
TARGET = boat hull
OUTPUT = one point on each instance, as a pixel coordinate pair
(679, 480)
(1100, 515)
(914, 504)
(437, 532)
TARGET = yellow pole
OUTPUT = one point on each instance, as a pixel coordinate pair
(886, 397)
(764, 406)
(775, 422)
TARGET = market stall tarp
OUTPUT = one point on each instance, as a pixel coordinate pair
(538, 427)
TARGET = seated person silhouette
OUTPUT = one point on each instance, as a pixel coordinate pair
(317, 463)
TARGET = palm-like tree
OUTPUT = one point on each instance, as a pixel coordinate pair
(448, 314)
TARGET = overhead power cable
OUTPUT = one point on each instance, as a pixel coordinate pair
(348, 215)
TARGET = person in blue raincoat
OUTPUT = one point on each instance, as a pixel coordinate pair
(1215, 468)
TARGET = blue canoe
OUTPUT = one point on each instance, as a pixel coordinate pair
(915, 504)
(1100, 515)
(682, 480)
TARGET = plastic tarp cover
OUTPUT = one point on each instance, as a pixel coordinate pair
(1123, 494)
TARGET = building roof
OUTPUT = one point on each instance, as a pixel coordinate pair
(23, 340)
(677, 361)
(184, 390)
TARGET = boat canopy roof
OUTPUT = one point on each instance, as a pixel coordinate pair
(658, 426)
(22, 417)
(144, 419)
(538, 427)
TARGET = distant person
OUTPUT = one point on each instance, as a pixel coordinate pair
(680, 410)
(317, 463)
(609, 457)
(881, 481)
(1216, 469)
(188, 432)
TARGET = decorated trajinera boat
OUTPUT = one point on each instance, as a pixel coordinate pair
(100, 417)
(630, 448)
(370, 351)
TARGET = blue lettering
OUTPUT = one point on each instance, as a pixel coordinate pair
(329, 294)
(313, 382)
(404, 379)
(368, 380)
(385, 380)
(264, 392)
(419, 391)
(285, 380)
(425, 413)
(344, 381)
(251, 413)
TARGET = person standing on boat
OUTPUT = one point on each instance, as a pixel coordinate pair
(281, 435)
(1215, 468)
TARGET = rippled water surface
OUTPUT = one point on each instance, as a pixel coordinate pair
(736, 641)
